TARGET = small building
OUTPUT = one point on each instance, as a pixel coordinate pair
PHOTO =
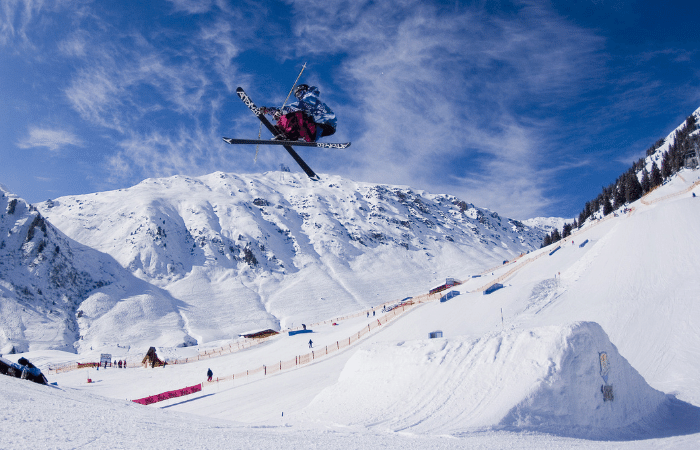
(435, 334)
(258, 334)
(151, 359)
(691, 160)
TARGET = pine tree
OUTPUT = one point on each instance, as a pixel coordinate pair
(656, 177)
(547, 240)
(566, 232)
(619, 195)
(556, 237)
(666, 165)
(633, 189)
(607, 206)
(646, 181)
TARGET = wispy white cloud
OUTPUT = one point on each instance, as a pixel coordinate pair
(15, 16)
(164, 100)
(464, 99)
(220, 44)
(74, 45)
(453, 93)
(53, 139)
(193, 6)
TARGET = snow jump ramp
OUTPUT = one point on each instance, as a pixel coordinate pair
(546, 379)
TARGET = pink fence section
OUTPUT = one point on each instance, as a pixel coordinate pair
(168, 395)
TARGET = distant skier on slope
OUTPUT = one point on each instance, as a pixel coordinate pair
(307, 119)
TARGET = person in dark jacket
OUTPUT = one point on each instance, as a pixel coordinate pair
(311, 343)
(210, 374)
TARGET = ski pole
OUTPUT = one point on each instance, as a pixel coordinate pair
(295, 83)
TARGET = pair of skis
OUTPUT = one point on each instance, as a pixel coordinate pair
(286, 144)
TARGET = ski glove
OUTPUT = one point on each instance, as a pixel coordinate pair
(274, 112)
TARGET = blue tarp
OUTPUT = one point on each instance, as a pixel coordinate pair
(493, 288)
(448, 296)
(292, 333)
(584, 243)
(553, 251)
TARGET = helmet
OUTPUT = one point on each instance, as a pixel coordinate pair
(301, 89)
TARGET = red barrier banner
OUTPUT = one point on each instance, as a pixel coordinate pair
(168, 395)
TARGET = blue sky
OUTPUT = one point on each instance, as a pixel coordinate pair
(526, 108)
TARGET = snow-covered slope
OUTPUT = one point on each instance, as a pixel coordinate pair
(516, 368)
(242, 252)
(544, 379)
(54, 291)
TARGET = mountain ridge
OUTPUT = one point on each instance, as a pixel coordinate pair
(224, 253)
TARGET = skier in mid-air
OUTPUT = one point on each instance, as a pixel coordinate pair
(307, 119)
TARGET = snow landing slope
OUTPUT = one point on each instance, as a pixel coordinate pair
(545, 379)
(242, 252)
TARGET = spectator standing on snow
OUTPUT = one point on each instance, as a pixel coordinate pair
(210, 374)
(311, 343)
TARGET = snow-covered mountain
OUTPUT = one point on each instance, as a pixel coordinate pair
(665, 145)
(54, 291)
(203, 259)
(40, 285)
(521, 367)
(547, 224)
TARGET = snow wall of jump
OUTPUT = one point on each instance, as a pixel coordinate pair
(544, 379)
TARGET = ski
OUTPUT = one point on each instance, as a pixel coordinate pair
(297, 143)
(258, 112)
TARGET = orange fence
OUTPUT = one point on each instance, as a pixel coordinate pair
(67, 367)
(322, 352)
(231, 348)
(666, 197)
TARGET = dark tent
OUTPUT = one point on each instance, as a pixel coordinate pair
(22, 369)
(151, 359)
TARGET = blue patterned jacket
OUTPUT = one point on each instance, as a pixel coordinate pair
(311, 105)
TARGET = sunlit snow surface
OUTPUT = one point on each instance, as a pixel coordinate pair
(518, 368)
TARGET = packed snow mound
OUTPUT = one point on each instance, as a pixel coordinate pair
(542, 379)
